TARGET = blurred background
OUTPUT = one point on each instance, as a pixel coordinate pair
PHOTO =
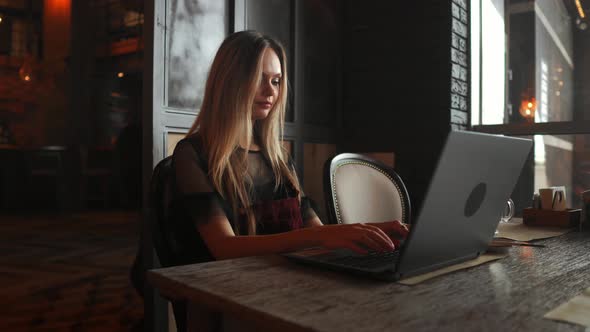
(93, 93)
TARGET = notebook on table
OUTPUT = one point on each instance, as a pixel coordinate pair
(473, 179)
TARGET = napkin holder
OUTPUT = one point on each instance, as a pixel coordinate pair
(538, 217)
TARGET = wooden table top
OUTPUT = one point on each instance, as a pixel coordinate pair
(510, 294)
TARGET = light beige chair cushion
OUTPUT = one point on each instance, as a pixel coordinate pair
(365, 194)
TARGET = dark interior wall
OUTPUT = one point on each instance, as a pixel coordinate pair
(581, 74)
(397, 83)
(321, 30)
(521, 62)
(82, 68)
(581, 107)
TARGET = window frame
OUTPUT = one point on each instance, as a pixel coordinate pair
(581, 127)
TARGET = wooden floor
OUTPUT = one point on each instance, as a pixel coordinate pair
(68, 273)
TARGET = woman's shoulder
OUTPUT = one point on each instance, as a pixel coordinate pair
(189, 149)
(191, 143)
(193, 140)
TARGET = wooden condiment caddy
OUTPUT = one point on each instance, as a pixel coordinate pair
(538, 217)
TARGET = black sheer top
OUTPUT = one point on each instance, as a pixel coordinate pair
(195, 200)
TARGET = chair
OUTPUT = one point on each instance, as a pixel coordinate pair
(160, 196)
(361, 189)
(47, 178)
(161, 193)
(95, 175)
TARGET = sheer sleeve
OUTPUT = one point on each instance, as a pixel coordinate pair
(195, 192)
(308, 206)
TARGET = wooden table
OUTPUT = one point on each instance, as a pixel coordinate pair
(271, 293)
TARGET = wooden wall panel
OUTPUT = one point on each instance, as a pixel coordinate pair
(289, 146)
(388, 158)
(315, 155)
(171, 140)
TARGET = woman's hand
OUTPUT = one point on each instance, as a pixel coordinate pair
(357, 237)
(395, 230)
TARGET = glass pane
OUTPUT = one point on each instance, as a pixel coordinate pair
(475, 65)
(544, 53)
(554, 164)
(562, 160)
(554, 57)
(196, 28)
(493, 66)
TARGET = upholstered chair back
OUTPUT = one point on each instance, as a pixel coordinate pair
(360, 189)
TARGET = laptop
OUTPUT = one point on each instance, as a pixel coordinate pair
(474, 178)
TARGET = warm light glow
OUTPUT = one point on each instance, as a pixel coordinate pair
(0, 19)
(527, 108)
(580, 9)
(120, 74)
(526, 253)
(26, 70)
(58, 6)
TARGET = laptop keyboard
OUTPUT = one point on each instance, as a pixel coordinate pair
(370, 261)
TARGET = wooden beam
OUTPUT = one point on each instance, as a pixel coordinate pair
(528, 129)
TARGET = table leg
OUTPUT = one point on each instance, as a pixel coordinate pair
(200, 318)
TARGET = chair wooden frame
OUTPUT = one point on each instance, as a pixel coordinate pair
(158, 191)
(330, 189)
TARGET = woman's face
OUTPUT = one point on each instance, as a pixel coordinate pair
(268, 86)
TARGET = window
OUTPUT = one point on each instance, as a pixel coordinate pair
(529, 79)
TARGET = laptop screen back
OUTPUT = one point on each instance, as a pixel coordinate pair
(474, 178)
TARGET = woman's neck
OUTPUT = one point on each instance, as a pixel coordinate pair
(253, 145)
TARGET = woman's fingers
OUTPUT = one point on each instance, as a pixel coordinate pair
(377, 243)
(400, 227)
(358, 237)
(396, 227)
(377, 235)
(354, 247)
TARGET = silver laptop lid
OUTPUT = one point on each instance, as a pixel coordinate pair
(474, 178)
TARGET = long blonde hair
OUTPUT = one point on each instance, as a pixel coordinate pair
(225, 119)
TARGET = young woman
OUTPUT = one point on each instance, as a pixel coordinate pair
(238, 191)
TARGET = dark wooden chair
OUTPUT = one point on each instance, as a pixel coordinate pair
(159, 223)
(96, 173)
(361, 189)
(47, 178)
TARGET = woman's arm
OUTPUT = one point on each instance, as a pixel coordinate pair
(224, 244)
(395, 229)
(314, 221)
